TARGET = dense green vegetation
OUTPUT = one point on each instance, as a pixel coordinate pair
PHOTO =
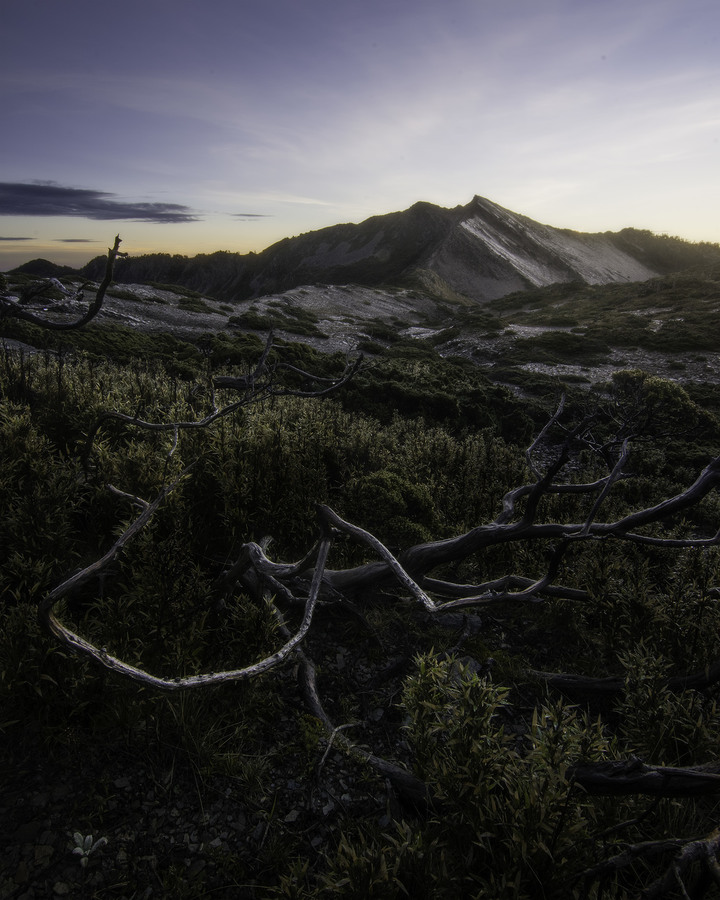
(673, 314)
(413, 448)
(284, 315)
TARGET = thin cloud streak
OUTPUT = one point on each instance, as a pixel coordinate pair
(43, 199)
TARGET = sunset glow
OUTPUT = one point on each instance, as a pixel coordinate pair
(191, 127)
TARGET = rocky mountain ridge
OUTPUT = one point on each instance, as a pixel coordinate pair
(473, 253)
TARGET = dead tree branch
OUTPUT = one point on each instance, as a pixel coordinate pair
(421, 559)
(309, 581)
(260, 383)
(621, 777)
(686, 853)
(100, 654)
(584, 686)
(12, 309)
(704, 850)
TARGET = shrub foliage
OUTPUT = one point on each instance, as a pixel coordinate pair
(493, 745)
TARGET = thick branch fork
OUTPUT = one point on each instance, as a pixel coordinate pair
(309, 582)
(100, 654)
(420, 560)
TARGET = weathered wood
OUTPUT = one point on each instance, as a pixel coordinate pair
(77, 643)
(14, 310)
(622, 777)
(585, 687)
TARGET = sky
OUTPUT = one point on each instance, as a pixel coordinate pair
(189, 126)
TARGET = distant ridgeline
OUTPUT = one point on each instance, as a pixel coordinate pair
(477, 252)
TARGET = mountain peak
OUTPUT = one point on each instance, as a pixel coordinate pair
(479, 252)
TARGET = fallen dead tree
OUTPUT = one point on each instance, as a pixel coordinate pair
(411, 578)
(308, 582)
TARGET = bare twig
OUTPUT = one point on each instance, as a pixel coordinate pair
(258, 384)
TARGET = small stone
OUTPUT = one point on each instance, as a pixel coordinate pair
(21, 873)
(27, 833)
(122, 783)
(238, 821)
(196, 867)
(43, 852)
(292, 816)
(61, 889)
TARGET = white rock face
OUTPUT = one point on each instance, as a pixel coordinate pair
(545, 255)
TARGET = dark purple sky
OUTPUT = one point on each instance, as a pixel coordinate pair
(195, 125)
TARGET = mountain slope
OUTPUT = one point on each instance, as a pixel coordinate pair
(516, 252)
(477, 253)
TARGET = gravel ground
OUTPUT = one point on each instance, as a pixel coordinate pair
(166, 828)
(176, 827)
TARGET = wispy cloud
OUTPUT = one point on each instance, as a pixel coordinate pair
(76, 241)
(50, 199)
(250, 215)
(16, 239)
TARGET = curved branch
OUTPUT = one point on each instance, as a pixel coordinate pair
(15, 311)
(408, 785)
(80, 645)
(531, 591)
(499, 586)
(332, 384)
(252, 381)
(160, 426)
